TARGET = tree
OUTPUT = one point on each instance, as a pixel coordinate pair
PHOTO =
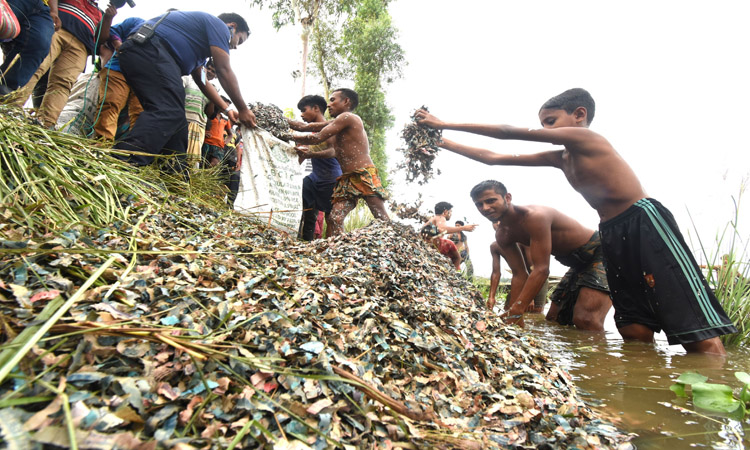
(352, 40)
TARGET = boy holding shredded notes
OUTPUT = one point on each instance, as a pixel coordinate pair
(654, 280)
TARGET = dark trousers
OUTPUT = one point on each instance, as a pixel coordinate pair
(156, 79)
(32, 43)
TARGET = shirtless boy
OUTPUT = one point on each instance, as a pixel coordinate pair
(436, 228)
(643, 247)
(352, 150)
(582, 298)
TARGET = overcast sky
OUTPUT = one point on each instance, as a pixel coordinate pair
(670, 79)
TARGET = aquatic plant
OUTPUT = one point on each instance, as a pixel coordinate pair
(728, 273)
(713, 396)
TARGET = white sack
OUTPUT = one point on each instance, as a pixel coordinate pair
(270, 180)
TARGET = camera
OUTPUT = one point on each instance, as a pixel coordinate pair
(121, 3)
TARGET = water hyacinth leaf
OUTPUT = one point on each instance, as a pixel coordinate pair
(691, 378)
(678, 389)
(743, 377)
(714, 397)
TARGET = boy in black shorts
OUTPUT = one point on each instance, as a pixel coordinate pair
(654, 280)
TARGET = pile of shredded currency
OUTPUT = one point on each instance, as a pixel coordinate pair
(271, 118)
(420, 151)
(409, 211)
(176, 326)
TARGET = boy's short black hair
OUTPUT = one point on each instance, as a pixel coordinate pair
(351, 95)
(572, 99)
(442, 207)
(313, 100)
(495, 186)
(236, 18)
(460, 223)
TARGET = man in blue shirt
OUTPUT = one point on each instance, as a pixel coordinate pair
(317, 188)
(181, 45)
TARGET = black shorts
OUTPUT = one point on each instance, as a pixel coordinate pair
(317, 194)
(654, 279)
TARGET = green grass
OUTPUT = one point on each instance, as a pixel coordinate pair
(728, 273)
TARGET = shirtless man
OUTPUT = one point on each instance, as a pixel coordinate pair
(352, 150)
(547, 232)
(642, 244)
(541, 297)
(436, 228)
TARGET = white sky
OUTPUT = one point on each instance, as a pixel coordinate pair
(670, 79)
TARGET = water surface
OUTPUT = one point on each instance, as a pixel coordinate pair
(629, 384)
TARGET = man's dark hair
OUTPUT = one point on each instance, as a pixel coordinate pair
(351, 95)
(442, 207)
(312, 100)
(236, 18)
(460, 223)
(496, 186)
(572, 99)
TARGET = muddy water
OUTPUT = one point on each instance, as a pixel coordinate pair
(629, 384)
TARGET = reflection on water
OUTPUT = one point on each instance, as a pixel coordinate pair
(629, 384)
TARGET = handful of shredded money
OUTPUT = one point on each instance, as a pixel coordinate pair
(271, 118)
(420, 151)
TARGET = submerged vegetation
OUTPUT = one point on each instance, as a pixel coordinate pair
(136, 313)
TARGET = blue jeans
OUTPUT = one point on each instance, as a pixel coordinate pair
(32, 42)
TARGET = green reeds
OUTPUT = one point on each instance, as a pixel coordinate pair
(360, 217)
(728, 273)
(51, 180)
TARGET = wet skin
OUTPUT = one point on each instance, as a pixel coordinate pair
(547, 232)
(589, 162)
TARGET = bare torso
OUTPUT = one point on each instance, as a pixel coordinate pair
(566, 233)
(352, 146)
(603, 177)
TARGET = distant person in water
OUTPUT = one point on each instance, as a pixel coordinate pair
(655, 282)
(462, 244)
(435, 229)
(360, 178)
(582, 297)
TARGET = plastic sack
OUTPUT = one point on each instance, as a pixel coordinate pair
(270, 180)
(77, 117)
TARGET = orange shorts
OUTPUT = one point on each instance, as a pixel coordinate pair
(362, 182)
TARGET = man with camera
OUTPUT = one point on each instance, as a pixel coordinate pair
(155, 58)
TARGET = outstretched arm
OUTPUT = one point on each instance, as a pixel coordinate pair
(541, 248)
(331, 129)
(567, 136)
(552, 158)
(447, 229)
(296, 125)
(228, 81)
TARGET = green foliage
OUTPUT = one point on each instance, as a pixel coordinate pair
(360, 217)
(352, 41)
(715, 397)
(729, 276)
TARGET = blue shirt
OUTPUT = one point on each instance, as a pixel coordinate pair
(121, 31)
(190, 35)
(325, 170)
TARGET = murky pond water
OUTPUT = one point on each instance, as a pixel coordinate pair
(629, 384)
